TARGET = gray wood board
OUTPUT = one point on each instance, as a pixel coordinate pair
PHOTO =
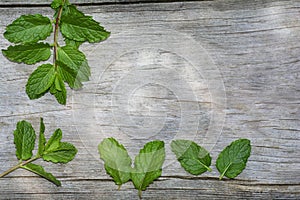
(208, 71)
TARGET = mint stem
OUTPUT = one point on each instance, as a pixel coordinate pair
(56, 35)
(18, 166)
(222, 175)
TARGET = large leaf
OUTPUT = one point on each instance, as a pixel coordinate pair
(148, 165)
(28, 53)
(57, 151)
(82, 28)
(192, 157)
(117, 162)
(40, 81)
(71, 57)
(24, 139)
(39, 170)
(29, 29)
(232, 160)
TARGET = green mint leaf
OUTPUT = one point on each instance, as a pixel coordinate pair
(63, 154)
(192, 157)
(57, 151)
(39, 170)
(117, 162)
(40, 81)
(28, 53)
(148, 165)
(24, 139)
(58, 89)
(74, 77)
(58, 3)
(42, 139)
(72, 43)
(29, 29)
(232, 160)
(82, 28)
(70, 57)
(71, 9)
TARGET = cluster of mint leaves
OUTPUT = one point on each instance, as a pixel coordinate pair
(148, 163)
(69, 64)
(196, 160)
(52, 150)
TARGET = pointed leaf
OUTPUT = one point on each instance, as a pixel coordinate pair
(24, 139)
(82, 28)
(148, 164)
(54, 141)
(40, 81)
(116, 160)
(29, 29)
(39, 170)
(63, 154)
(28, 53)
(42, 139)
(232, 160)
(58, 89)
(192, 157)
(72, 43)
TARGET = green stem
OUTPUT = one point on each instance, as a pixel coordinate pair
(56, 29)
(223, 174)
(208, 168)
(140, 194)
(18, 166)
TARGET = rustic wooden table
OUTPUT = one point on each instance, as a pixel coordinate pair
(211, 71)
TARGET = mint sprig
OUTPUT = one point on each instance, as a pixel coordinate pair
(69, 64)
(147, 164)
(52, 150)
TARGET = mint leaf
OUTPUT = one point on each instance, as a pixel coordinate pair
(70, 57)
(24, 139)
(117, 162)
(58, 152)
(192, 157)
(39, 170)
(54, 150)
(72, 43)
(148, 165)
(71, 9)
(82, 28)
(42, 139)
(28, 53)
(58, 3)
(29, 29)
(63, 154)
(40, 81)
(232, 160)
(58, 89)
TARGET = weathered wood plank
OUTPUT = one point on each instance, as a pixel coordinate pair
(254, 47)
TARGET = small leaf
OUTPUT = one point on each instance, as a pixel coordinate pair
(39, 170)
(148, 165)
(192, 157)
(42, 139)
(63, 154)
(58, 89)
(40, 81)
(28, 53)
(232, 160)
(58, 3)
(82, 28)
(29, 29)
(54, 141)
(117, 162)
(72, 43)
(24, 139)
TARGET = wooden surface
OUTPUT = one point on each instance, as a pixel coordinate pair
(211, 71)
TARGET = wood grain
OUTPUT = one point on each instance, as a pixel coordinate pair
(252, 49)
